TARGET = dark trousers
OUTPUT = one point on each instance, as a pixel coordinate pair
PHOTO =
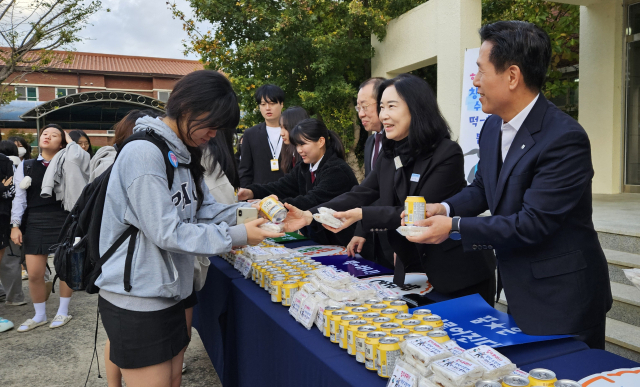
(593, 337)
(377, 249)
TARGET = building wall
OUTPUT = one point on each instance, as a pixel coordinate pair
(83, 82)
(438, 31)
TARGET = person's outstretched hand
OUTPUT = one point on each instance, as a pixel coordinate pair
(437, 232)
(245, 194)
(347, 217)
(296, 218)
(256, 235)
(355, 246)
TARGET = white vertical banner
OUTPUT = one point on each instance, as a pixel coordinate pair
(472, 117)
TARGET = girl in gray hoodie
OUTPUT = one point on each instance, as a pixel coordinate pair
(146, 325)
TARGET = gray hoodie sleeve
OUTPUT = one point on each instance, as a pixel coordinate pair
(75, 174)
(150, 207)
(48, 181)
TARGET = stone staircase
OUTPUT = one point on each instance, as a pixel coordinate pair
(617, 220)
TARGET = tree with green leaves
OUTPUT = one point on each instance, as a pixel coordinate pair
(31, 30)
(560, 21)
(319, 51)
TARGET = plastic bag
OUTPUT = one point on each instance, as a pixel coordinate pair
(403, 375)
(633, 275)
(406, 231)
(495, 364)
(325, 216)
(425, 350)
(456, 372)
(272, 227)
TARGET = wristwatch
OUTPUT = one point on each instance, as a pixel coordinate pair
(14, 225)
(455, 229)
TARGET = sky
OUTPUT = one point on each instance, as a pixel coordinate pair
(136, 27)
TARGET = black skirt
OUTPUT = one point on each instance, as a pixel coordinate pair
(5, 231)
(42, 230)
(142, 339)
(191, 301)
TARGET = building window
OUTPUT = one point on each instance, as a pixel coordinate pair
(164, 95)
(62, 92)
(27, 93)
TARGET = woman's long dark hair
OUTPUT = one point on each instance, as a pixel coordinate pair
(202, 99)
(24, 144)
(311, 130)
(289, 119)
(427, 127)
(76, 135)
(63, 135)
(219, 150)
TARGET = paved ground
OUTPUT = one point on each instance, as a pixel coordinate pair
(61, 357)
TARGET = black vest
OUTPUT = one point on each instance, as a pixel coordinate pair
(36, 203)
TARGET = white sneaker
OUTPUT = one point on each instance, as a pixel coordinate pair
(184, 367)
(17, 303)
(25, 275)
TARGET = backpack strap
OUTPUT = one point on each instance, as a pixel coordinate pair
(152, 137)
(132, 232)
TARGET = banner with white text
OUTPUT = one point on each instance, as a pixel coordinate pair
(472, 116)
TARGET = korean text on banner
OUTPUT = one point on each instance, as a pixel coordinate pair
(472, 117)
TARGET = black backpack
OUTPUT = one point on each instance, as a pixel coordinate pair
(80, 264)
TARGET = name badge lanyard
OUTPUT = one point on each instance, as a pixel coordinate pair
(274, 161)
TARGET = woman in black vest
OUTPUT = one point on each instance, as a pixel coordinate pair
(322, 175)
(41, 220)
(419, 159)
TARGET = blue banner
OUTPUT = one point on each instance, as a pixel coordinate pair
(357, 267)
(470, 321)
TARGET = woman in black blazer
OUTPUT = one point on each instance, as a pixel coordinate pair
(419, 159)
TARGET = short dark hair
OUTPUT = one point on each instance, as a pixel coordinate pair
(376, 82)
(63, 140)
(427, 127)
(8, 148)
(269, 92)
(521, 44)
(24, 144)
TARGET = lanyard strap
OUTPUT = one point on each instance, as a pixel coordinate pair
(273, 151)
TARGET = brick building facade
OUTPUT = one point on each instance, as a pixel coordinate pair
(89, 72)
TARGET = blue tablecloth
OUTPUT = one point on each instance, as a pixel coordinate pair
(578, 365)
(254, 342)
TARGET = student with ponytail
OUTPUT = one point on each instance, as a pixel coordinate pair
(322, 175)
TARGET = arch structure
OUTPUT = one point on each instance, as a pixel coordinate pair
(93, 97)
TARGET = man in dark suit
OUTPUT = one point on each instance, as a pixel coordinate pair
(262, 144)
(534, 175)
(371, 244)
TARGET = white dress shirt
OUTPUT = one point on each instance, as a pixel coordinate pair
(509, 131)
(314, 167)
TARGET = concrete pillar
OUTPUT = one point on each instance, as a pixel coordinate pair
(437, 31)
(601, 90)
